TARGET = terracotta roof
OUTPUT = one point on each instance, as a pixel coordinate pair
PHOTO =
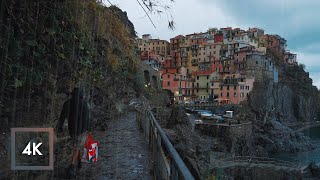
(178, 37)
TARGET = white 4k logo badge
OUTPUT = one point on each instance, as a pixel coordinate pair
(35, 150)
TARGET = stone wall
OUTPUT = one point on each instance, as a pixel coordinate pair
(237, 138)
(154, 75)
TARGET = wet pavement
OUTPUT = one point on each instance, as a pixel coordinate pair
(123, 152)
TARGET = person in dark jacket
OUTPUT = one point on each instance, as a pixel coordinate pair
(76, 110)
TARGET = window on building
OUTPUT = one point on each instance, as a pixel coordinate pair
(235, 94)
(197, 90)
(168, 83)
(207, 77)
(256, 62)
(227, 87)
(221, 95)
(235, 87)
(241, 95)
(247, 94)
(197, 77)
(227, 94)
(221, 87)
(168, 75)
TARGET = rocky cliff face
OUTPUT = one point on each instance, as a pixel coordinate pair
(293, 99)
(275, 106)
(275, 137)
(55, 46)
(282, 102)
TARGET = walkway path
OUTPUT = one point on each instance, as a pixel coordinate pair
(123, 152)
(261, 163)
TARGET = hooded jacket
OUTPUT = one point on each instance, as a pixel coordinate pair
(76, 110)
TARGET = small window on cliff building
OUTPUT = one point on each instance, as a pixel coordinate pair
(227, 94)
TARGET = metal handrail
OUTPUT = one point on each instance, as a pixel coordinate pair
(155, 131)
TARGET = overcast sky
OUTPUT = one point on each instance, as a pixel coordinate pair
(295, 20)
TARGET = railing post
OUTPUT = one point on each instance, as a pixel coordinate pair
(167, 162)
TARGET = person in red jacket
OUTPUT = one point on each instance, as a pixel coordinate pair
(76, 110)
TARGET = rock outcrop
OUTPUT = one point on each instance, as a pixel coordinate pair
(275, 137)
(275, 106)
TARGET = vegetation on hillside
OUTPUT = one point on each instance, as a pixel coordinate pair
(39, 38)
